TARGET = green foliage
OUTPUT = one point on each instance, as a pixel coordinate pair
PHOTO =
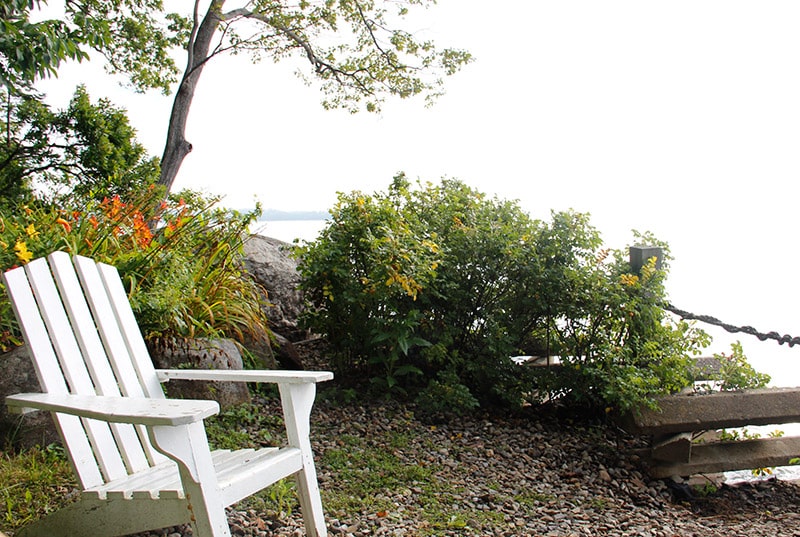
(135, 37)
(32, 483)
(32, 50)
(367, 278)
(367, 469)
(244, 426)
(735, 373)
(179, 259)
(446, 396)
(85, 149)
(354, 49)
(442, 280)
(279, 499)
(735, 435)
(706, 489)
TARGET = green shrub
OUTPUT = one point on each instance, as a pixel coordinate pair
(617, 346)
(735, 373)
(432, 290)
(446, 396)
(416, 282)
(180, 260)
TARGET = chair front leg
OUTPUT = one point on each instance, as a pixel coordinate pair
(187, 445)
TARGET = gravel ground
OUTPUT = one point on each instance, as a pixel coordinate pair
(541, 472)
(538, 473)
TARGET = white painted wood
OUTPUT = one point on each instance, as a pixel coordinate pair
(139, 410)
(69, 324)
(134, 342)
(264, 469)
(93, 365)
(297, 400)
(117, 349)
(273, 376)
(107, 326)
(108, 518)
(48, 371)
(151, 482)
(187, 445)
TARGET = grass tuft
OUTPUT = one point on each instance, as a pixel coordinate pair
(33, 483)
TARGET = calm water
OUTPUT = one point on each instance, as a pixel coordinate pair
(289, 230)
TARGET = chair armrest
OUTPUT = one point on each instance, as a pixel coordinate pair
(135, 410)
(276, 376)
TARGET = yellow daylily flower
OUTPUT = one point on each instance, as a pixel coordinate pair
(23, 254)
(31, 231)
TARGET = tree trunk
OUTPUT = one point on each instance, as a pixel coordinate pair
(177, 147)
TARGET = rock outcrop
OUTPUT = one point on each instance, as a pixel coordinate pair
(269, 262)
(18, 376)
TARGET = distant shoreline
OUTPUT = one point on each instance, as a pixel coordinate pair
(276, 215)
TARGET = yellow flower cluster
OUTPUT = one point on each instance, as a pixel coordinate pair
(23, 254)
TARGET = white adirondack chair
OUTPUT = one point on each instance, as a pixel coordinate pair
(142, 460)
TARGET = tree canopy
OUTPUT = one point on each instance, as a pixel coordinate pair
(86, 149)
(353, 48)
(31, 50)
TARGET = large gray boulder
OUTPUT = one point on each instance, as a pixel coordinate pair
(214, 354)
(18, 376)
(269, 262)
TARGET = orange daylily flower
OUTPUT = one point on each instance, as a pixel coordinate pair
(65, 224)
(141, 230)
(113, 206)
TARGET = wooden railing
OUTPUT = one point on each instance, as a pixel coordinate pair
(681, 419)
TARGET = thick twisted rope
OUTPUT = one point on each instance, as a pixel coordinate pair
(781, 339)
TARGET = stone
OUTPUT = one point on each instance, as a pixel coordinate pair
(221, 354)
(269, 262)
(17, 375)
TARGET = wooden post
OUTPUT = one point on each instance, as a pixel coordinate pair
(639, 255)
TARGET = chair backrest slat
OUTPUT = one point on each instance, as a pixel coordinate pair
(107, 326)
(73, 366)
(48, 371)
(122, 337)
(95, 360)
(137, 350)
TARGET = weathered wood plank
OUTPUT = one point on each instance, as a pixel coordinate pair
(728, 456)
(719, 410)
(672, 448)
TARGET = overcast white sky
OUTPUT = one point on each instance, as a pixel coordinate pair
(679, 117)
